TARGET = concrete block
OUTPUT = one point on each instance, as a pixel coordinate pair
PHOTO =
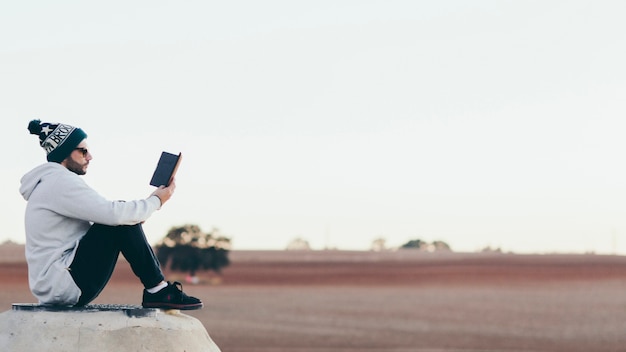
(31, 327)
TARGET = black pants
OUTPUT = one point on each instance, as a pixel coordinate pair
(97, 255)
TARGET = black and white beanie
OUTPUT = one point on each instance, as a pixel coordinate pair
(57, 139)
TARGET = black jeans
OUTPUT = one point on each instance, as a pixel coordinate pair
(97, 255)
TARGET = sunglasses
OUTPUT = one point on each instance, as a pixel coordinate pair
(83, 150)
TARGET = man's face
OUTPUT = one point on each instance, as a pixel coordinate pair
(78, 161)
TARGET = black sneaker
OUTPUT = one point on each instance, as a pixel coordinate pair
(171, 297)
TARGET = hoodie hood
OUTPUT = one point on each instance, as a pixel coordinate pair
(42, 172)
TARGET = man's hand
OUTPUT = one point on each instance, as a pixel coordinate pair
(165, 193)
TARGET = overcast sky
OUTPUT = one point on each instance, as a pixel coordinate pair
(478, 123)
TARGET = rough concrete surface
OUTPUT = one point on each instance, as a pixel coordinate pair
(92, 330)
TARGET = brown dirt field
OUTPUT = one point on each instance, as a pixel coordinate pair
(395, 301)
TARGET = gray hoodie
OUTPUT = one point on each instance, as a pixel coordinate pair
(61, 208)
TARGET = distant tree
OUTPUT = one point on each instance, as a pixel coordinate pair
(490, 249)
(441, 246)
(8, 243)
(379, 245)
(298, 244)
(413, 244)
(425, 246)
(188, 249)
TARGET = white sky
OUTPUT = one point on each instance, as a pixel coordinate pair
(479, 123)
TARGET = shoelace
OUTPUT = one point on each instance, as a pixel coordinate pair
(179, 287)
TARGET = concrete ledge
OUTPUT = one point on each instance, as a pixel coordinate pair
(32, 327)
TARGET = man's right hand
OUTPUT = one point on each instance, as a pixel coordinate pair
(165, 193)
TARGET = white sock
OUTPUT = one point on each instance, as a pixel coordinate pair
(157, 288)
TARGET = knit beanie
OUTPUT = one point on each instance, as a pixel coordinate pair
(57, 139)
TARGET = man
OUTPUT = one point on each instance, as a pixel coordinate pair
(74, 235)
